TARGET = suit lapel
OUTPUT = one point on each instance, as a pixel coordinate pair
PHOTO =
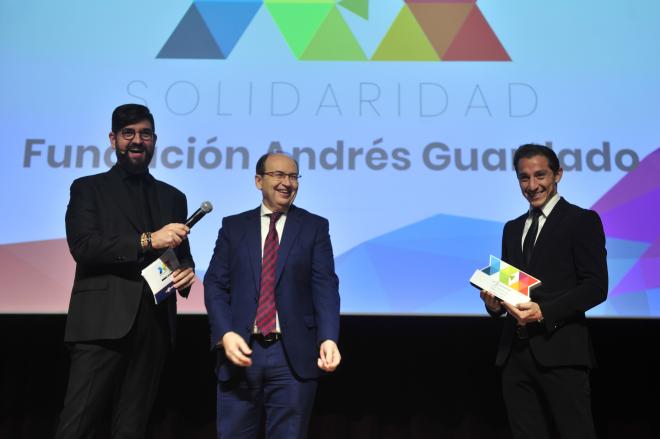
(517, 256)
(253, 237)
(292, 228)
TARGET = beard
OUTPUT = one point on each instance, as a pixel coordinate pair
(134, 166)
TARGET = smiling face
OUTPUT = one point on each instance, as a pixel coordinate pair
(537, 181)
(134, 154)
(278, 194)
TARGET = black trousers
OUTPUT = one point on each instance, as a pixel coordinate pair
(537, 397)
(114, 382)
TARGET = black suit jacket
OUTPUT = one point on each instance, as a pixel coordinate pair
(103, 228)
(570, 260)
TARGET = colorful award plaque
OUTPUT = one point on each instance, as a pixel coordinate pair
(505, 281)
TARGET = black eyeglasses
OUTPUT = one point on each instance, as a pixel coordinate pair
(279, 175)
(129, 134)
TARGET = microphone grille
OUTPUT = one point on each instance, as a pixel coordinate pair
(206, 206)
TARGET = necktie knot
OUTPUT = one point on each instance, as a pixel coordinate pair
(536, 212)
(274, 217)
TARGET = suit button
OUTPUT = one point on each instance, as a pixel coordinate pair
(119, 258)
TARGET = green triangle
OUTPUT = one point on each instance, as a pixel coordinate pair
(358, 7)
(405, 41)
(334, 42)
(299, 22)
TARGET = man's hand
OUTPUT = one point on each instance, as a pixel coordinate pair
(492, 302)
(329, 356)
(183, 278)
(236, 349)
(170, 236)
(528, 312)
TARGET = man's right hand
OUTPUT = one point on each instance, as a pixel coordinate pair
(236, 349)
(491, 301)
(170, 236)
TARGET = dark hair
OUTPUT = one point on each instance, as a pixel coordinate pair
(261, 163)
(530, 150)
(129, 114)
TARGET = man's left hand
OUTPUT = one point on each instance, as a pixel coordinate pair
(183, 278)
(528, 312)
(329, 356)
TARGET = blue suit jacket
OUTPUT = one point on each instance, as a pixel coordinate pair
(306, 288)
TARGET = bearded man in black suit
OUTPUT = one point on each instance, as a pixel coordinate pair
(117, 223)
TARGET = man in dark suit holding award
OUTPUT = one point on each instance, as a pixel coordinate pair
(117, 223)
(273, 303)
(545, 351)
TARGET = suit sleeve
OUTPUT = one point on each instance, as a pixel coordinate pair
(217, 292)
(589, 256)
(325, 286)
(86, 242)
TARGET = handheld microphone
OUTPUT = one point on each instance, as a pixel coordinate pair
(205, 208)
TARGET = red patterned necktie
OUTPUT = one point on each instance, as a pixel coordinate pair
(266, 309)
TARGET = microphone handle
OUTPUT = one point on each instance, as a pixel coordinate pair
(198, 215)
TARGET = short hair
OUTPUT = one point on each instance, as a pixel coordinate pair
(261, 163)
(530, 150)
(129, 114)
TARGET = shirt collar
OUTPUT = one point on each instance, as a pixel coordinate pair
(552, 202)
(125, 175)
(266, 211)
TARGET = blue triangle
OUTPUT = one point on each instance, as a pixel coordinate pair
(227, 20)
(191, 40)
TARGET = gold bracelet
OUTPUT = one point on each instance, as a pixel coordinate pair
(149, 246)
(143, 241)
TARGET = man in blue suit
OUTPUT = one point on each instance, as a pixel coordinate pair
(272, 298)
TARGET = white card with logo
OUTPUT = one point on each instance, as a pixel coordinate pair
(159, 275)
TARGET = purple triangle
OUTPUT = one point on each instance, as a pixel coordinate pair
(636, 220)
(644, 178)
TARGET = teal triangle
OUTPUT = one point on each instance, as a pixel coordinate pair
(191, 39)
(358, 7)
(227, 21)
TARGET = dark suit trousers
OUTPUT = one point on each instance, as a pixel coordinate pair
(537, 396)
(267, 387)
(117, 376)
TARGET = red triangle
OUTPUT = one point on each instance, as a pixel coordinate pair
(476, 41)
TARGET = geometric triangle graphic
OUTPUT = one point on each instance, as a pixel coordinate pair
(405, 41)
(645, 178)
(227, 20)
(369, 33)
(334, 41)
(358, 7)
(299, 21)
(441, 22)
(476, 41)
(191, 39)
(386, 30)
